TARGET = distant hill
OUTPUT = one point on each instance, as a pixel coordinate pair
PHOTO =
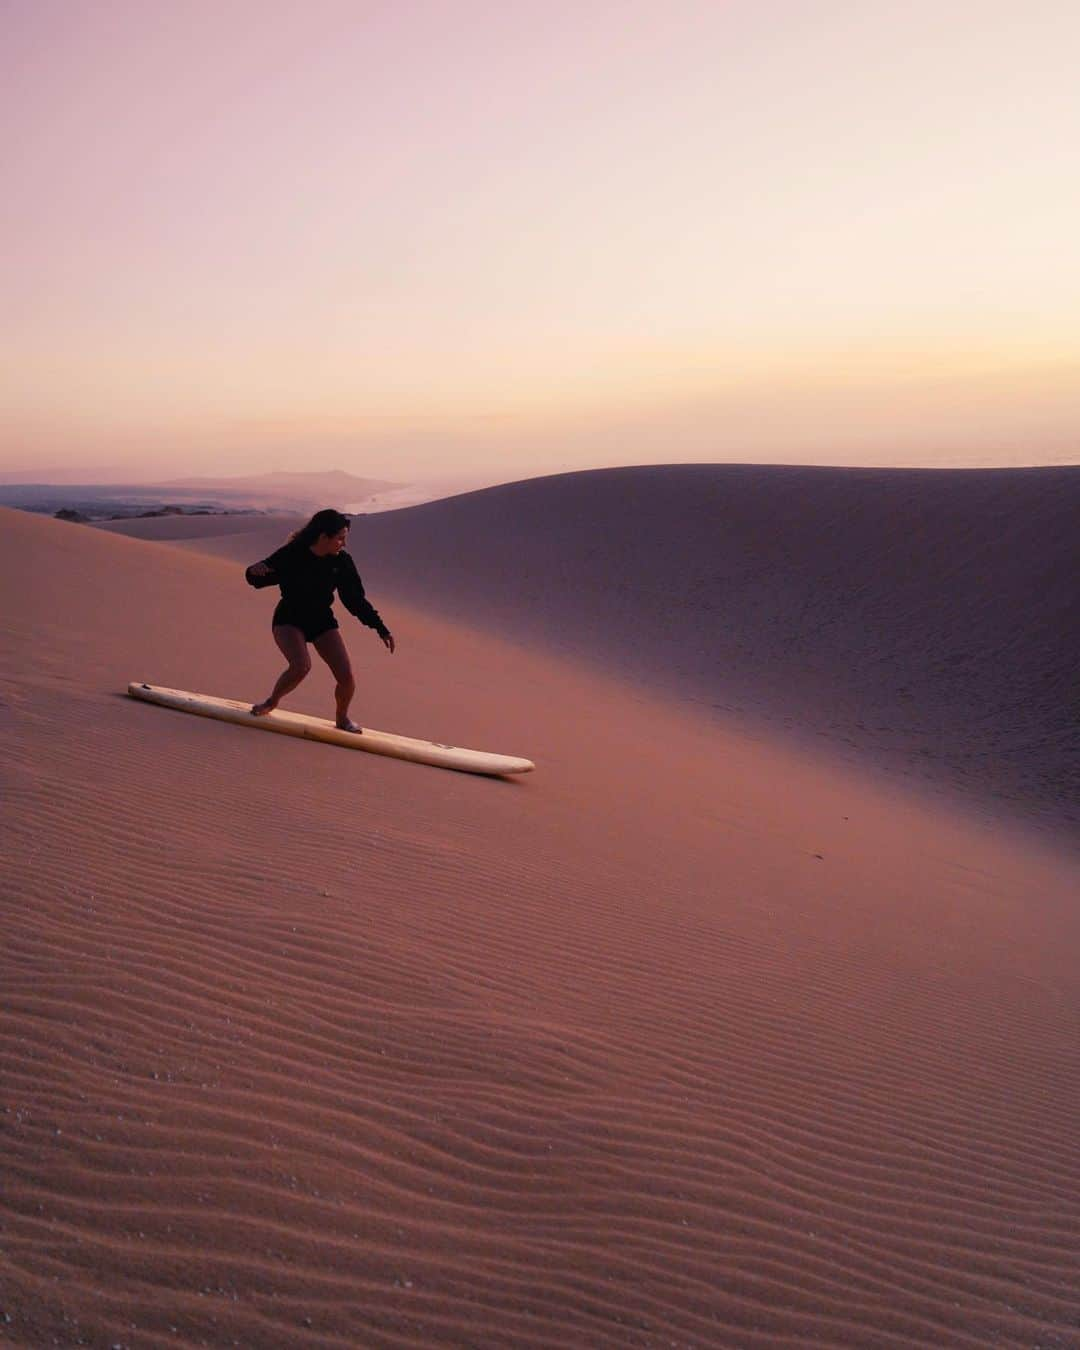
(290, 492)
(326, 488)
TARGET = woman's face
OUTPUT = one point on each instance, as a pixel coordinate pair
(329, 544)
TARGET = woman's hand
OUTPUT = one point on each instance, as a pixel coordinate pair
(388, 641)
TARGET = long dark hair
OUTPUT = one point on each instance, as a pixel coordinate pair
(322, 522)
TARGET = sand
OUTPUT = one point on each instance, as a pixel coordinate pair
(689, 1038)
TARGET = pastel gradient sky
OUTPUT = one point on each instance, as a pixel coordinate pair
(426, 238)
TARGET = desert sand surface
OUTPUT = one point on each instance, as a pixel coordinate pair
(689, 1038)
(922, 623)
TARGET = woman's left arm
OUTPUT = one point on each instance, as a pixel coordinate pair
(351, 590)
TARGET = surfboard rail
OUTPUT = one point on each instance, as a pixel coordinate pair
(373, 742)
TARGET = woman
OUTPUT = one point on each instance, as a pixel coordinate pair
(309, 567)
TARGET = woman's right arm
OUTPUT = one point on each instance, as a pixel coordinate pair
(259, 575)
(264, 573)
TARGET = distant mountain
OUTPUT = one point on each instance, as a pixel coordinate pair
(325, 488)
(289, 492)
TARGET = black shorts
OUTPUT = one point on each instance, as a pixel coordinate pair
(311, 625)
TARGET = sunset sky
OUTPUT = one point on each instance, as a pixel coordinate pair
(427, 238)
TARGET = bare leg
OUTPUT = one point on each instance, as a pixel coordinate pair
(294, 648)
(331, 647)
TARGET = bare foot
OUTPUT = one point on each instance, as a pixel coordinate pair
(261, 709)
(345, 724)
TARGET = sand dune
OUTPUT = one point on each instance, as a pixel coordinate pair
(928, 622)
(687, 1040)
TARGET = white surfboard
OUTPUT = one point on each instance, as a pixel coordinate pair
(318, 729)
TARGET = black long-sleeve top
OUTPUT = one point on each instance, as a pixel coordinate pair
(308, 584)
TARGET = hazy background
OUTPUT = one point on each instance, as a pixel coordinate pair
(421, 239)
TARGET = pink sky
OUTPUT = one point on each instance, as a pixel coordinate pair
(417, 239)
